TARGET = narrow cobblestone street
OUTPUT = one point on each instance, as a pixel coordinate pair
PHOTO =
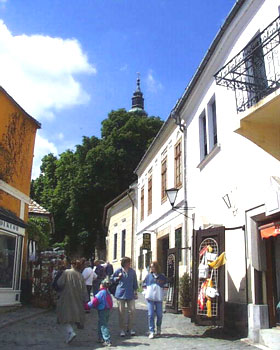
(42, 333)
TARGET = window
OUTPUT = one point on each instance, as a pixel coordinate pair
(212, 124)
(115, 246)
(178, 241)
(150, 194)
(123, 242)
(178, 164)
(163, 179)
(7, 259)
(203, 136)
(142, 204)
(255, 66)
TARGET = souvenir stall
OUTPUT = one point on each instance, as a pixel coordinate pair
(44, 269)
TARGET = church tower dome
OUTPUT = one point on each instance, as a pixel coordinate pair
(137, 98)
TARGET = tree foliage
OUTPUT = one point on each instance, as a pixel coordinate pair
(76, 186)
(39, 229)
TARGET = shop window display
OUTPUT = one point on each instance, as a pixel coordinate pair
(7, 258)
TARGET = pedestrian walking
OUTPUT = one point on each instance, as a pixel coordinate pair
(153, 284)
(102, 301)
(89, 276)
(73, 295)
(109, 269)
(126, 293)
(101, 274)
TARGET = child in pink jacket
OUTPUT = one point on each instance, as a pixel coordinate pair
(102, 301)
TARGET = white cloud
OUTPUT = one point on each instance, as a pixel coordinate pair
(124, 68)
(152, 84)
(60, 136)
(39, 71)
(42, 148)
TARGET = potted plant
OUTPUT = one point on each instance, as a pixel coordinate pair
(185, 294)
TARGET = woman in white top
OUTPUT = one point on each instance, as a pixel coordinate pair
(89, 275)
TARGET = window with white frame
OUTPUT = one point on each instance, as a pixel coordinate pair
(208, 129)
(142, 204)
(203, 136)
(212, 124)
(150, 194)
(178, 164)
(123, 242)
(115, 246)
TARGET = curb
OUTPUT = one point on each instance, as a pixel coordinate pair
(35, 314)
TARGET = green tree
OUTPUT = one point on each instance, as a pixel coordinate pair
(76, 186)
(39, 229)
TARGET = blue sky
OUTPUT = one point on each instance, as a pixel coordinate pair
(70, 62)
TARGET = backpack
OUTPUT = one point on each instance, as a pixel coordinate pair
(112, 287)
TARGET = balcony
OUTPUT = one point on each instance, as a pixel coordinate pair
(254, 75)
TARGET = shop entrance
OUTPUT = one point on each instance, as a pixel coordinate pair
(273, 279)
(162, 250)
(270, 234)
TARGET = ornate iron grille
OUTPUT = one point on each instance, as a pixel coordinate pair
(255, 71)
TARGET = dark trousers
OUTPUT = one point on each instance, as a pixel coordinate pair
(89, 290)
(95, 286)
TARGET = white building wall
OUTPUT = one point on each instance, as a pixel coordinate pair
(238, 167)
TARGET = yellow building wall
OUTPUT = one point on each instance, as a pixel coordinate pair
(17, 138)
(9, 202)
(120, 218)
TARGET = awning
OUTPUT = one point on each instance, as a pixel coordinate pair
(270, 230)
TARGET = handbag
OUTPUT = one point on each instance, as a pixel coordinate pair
(211, 292)
(203, 268)
(211, 256)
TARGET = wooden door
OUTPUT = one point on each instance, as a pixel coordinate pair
(172, 275)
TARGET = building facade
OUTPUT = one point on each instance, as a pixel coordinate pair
(119, 220)
(161, 228)
(17, 137)
(232, 149)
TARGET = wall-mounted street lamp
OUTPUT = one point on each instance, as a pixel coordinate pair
(172, 195)
(178, 120)
(227, 200)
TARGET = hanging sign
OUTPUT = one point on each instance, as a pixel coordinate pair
(146, 241)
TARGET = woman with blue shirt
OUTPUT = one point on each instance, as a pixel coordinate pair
(126, 293)
(153, 284)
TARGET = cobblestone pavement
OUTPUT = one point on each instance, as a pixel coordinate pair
(42, 333)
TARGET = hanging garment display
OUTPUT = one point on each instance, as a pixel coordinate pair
(220, 261)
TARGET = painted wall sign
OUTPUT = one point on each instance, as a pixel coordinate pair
(9, 227)
(146, 241)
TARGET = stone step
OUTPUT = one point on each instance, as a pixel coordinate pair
(270, 338)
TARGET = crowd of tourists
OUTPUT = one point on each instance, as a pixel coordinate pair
(83, 286)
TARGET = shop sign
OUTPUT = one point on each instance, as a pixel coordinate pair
(8, 226)
(146, 241)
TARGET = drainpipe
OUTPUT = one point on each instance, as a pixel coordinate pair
(132, 228)
(188, 252)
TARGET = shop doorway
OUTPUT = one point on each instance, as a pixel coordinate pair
(162, 251)
(272, 245)
(270, 235)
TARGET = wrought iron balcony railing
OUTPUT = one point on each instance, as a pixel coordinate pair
(255, 71)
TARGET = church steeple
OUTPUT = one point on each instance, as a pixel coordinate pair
(137, 98)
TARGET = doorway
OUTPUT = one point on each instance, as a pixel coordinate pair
(162, 251)
(272, 245)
